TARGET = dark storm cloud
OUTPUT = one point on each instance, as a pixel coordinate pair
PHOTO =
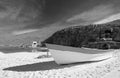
(78, 11)
(36, 14)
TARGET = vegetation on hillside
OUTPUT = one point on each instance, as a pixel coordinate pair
(78, 36)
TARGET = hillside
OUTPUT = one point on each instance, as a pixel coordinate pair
(77, 36)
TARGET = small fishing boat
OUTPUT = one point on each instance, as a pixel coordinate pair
(66, 54)
(102, 48)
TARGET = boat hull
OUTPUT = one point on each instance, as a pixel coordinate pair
(66, 55)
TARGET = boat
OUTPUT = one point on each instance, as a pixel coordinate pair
(102, 48)
(66, 54)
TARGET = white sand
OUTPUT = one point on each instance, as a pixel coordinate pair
(113, 74)
(38, 68)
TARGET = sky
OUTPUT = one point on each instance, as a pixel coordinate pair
(108, 19)
(26, 16)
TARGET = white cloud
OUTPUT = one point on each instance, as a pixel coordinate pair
(94, 14)
(108, 19)
(23, 31)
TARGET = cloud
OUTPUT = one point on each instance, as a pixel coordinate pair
(94, 14)
(109, 19)
(23, 31)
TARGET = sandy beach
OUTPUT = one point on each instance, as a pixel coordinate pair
(27, 65)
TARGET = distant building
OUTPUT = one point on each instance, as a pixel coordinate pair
(34, 44)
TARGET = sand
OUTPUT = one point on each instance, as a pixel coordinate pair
(113, 74)
(26, 65)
